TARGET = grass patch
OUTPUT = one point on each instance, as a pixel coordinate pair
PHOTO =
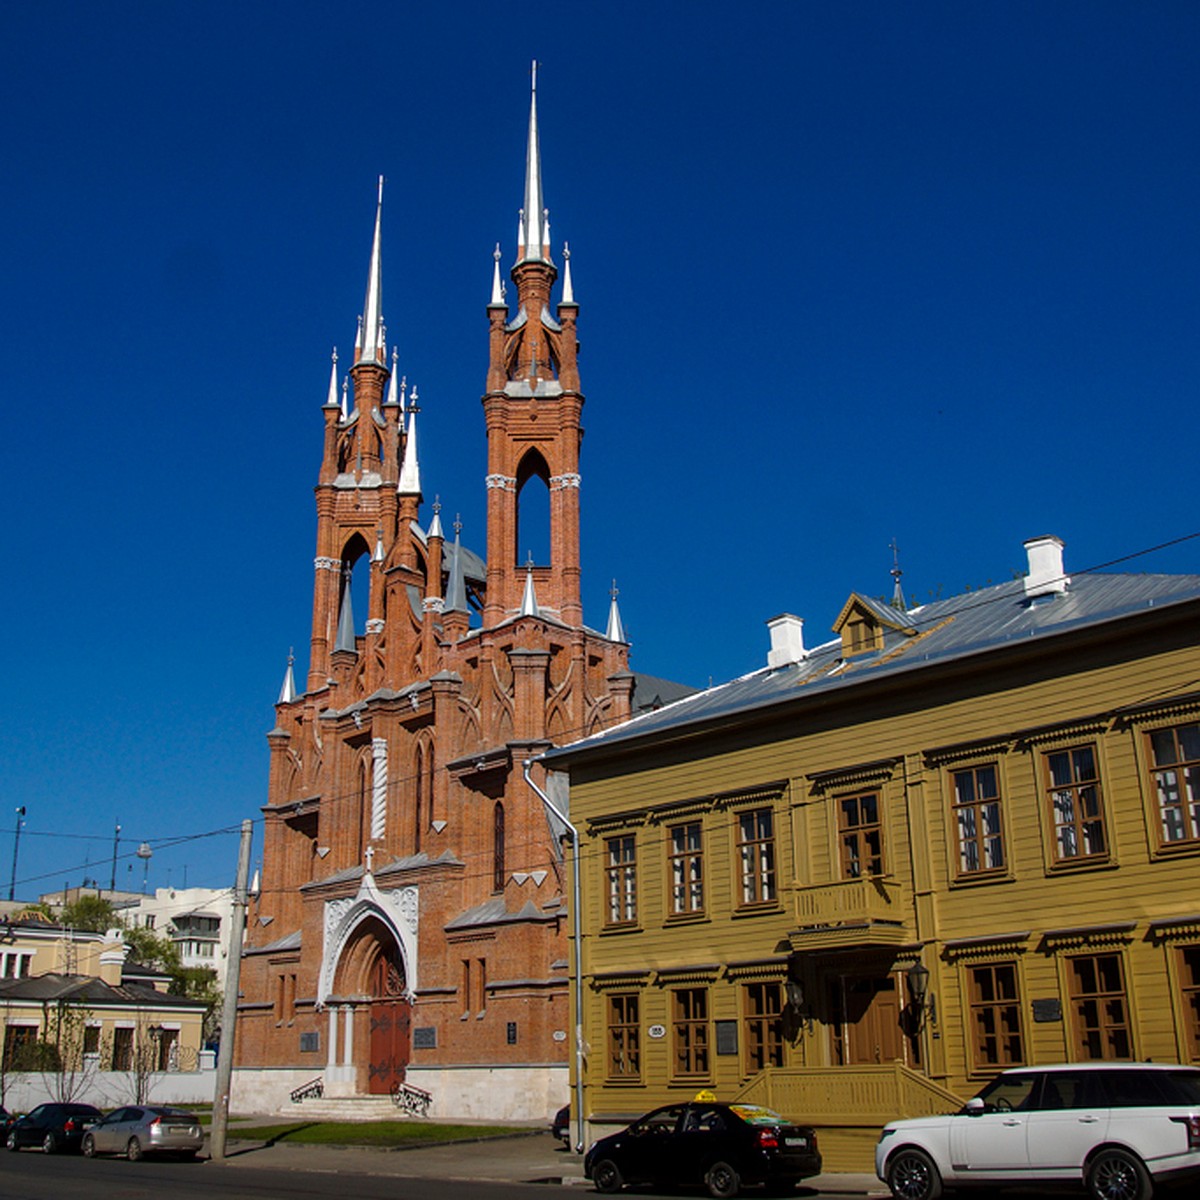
(368, 1133)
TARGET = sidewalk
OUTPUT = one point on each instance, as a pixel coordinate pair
(531, 1158)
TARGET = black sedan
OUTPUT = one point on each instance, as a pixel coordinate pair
(719, 1146)
(52, 1127)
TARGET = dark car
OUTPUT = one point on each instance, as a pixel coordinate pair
(52, 1127)
(560, 1127)
(720, 1146)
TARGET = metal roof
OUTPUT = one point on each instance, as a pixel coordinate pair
(989, 619)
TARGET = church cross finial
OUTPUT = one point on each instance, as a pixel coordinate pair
(457, 524)
(897, 590)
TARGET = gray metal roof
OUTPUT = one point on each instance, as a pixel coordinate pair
(495, 912)
(978, 622)
(91, 991)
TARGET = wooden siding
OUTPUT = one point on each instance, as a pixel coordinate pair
(1033, 912)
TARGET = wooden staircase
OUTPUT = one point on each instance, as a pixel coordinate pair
(848, 1105)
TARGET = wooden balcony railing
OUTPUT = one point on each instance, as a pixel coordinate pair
(870, 910)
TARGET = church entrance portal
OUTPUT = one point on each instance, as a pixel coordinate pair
(371, 969)
(391, 1021)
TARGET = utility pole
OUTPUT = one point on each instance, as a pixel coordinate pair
(112, 886)
(12, 886)
(220, 1116)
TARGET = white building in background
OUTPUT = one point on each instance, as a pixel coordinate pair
(196, 919)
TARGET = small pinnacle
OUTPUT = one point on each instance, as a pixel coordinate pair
(457, 524)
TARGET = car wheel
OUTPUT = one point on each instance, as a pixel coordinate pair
(88, 1146)
(1118, 1175)
(49, 1144)
(722, 1181)
(133, 1151)
(11, 1142)
(911, 1175)
(606, 1175)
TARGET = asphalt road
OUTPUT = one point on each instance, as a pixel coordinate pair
(32, 1176)
(514, 1168)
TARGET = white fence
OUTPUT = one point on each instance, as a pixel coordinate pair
(24, 1090)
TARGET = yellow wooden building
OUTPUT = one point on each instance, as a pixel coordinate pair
(857, 883)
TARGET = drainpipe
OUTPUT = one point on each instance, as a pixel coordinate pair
(575, 909)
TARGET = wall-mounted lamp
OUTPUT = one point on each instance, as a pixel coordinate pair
(923, 1001)
(796, 1006)
(794, 990)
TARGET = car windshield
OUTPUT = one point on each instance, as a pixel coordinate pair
(1008, 1092)
(755, 1114)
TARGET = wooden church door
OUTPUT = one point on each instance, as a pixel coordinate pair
(391, 1021)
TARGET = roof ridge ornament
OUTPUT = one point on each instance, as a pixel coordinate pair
(529, 604)
(615, 631)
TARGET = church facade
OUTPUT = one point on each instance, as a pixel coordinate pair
(409, 930)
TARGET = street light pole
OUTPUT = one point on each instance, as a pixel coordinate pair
(577, 926)
(12, 885)
(233, 979)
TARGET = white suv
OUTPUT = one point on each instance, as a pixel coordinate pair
(1117, 1128)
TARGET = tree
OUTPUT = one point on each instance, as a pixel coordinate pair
(62, 1054)
(196, 983)
(92, 913)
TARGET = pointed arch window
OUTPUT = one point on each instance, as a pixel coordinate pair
(361, 810)
(421, 799)
(354, 597)
(533, 511)
(498, 871)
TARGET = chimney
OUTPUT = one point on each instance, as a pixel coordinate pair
(112, 957)
(787, 640)
(1045, 576)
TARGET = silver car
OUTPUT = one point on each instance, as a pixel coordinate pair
(141, 1129)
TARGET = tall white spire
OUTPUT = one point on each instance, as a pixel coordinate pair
(497, 300)
(568, 292)
(392, 398)
(331, 401)
(534, 237)
(370, 346)
(410, 472)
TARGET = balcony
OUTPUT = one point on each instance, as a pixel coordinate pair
(851, 913)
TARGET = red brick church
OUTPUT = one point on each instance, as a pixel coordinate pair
(410, 924)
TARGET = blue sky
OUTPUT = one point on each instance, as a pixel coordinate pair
(848, 272)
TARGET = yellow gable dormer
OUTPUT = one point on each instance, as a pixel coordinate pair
(862, 623)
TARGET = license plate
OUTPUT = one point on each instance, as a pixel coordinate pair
(787, 1141)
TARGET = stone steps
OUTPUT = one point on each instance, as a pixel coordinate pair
(347, 1108)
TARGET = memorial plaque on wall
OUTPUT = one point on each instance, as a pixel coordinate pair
(310, 1043)
(1047, 1010)
(727, 1037)
(425, 1037)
